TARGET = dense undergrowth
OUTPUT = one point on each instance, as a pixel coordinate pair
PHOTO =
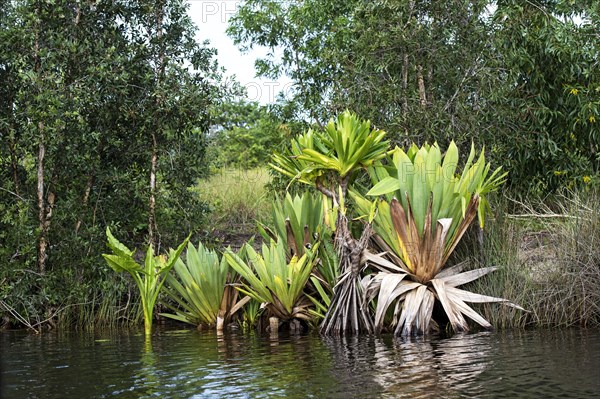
(547, 254)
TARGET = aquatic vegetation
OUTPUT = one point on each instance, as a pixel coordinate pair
(148, 278)
(203, 289)
(269, 278)
(306, 221)
(329, 160)
(312, 268)
(424, 209)
(299, 220)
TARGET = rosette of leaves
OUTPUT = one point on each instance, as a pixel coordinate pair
(149, 278)
(305, 221)
(273, 280)
(299, 220)
(329, 160)
(202, 287)
(332, 157)
(424, 209)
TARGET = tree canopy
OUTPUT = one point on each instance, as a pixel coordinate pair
(520, 77)
(104, 108)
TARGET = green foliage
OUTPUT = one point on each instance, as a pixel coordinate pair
(202, 289)
(523, 80)
(88, 92)
(300, 220)
(344, 146)
(301, 29)
(307, 222)
(273, 280)
(428, 188)
(548, 99)
(420, 230)
(329, 161)
(246, 136)
(148, 278)
(251, 314)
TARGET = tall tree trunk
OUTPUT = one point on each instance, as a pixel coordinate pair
(152, 228)
(405, 65)
(405, 85)
(42, 243)
(430, 84)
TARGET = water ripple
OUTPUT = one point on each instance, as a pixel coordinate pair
(189, 364)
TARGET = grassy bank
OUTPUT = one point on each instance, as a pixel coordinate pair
(237, 198)
(549, 262)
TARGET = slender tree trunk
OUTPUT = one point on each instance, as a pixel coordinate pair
(152, 228)
(77, 13)
(85, 201)
(42, 241)
(405, 66)
(90, 180)
(421, 83)
(430, 84)
(160, 68)
(405, 85)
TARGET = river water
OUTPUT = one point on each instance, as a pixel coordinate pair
(191, 364)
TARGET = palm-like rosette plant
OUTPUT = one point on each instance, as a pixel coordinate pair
(202, 289)
(306, 220)
(425, 210)
(149, 278)
(299, 220)
(329, 160)
(344, 146)
(274, 281)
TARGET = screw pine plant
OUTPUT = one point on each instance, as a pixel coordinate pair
(203, 290)
(272, 280)
(330, 160)
(423, 211)
(148, 278)
(306, 220)
(299, 220)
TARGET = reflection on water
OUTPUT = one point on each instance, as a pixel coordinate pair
(189, 364)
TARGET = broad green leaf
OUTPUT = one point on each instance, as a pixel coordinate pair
(385, 186)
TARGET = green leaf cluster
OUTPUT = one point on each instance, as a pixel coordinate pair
(271, 279)
(343, 147)
(203, 289)
(149, 278)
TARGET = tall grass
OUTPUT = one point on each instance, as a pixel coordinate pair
(104, 309)
(237, 199)
(549, 259)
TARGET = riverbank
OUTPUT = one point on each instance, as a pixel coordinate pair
(547, 254)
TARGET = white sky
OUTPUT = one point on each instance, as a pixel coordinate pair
(211, 17)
